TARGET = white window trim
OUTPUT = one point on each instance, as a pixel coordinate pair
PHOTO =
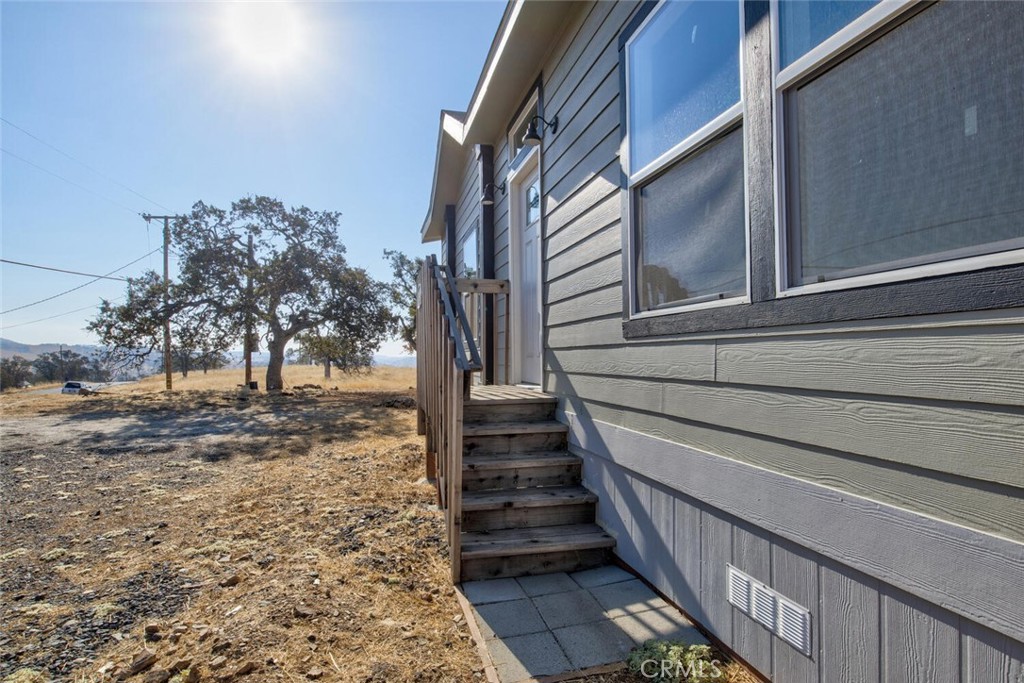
(876, 18)
(720, 124)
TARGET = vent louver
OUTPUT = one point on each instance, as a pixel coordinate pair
(780, 615)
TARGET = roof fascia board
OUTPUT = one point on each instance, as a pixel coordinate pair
(501, 40)
(449, 145)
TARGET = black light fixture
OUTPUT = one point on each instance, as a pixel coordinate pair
(532, 138)
(488, 196)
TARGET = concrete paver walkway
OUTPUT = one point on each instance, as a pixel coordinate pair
(551, 624)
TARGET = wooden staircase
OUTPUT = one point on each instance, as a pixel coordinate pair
(523, 508)
(506, 483)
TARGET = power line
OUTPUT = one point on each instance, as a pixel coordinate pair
(70, 182)
(61, 270)
(59, 315)
(73, 289)
(78, 161)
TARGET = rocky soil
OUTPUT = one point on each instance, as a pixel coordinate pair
(214, 536)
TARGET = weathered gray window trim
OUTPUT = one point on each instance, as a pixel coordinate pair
(988, 289)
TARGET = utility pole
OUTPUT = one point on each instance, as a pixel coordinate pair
(167, 280)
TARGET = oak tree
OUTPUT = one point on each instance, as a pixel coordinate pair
(294, 277)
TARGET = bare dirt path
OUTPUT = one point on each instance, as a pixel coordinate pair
(275, 538)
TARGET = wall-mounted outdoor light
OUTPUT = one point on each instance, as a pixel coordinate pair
(533, 136)
(488, 197)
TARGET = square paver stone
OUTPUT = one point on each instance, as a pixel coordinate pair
(523, 657)
(628, 597)
(660, 624)
(593, 644)
(494, 590)
(543, 584)
(568, 609)
(512, 618)
(588, 578)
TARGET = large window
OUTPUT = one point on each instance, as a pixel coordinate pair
(905, 158)
(685, 156)
(805, 24)
(873, 167)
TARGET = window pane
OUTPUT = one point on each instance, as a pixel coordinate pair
(517, 148)
(692, 233)
(805, 24)
(469, 265)
(533, 203)
(683, 72)
(912, 150)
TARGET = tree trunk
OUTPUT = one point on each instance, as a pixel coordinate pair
(276, 349)
(327, 368)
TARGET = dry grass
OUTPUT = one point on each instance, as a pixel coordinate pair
(318, 508)
(381, 378)
(214, 385)
(132, 507)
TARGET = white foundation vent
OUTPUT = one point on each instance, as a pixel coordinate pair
(777, 613)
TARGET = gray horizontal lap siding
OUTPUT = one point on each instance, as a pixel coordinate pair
(862, 629)
(467, 211)
(921, 417)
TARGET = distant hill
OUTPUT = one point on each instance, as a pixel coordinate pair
(10, 348)
(396, 361)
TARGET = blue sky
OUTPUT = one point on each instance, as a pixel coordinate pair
(177, 103)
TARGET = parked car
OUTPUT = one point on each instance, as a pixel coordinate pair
(74, 388)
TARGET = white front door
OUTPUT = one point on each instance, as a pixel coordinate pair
(527, 290)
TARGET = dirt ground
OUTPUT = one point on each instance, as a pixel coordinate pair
(126, 512)
(213, 534)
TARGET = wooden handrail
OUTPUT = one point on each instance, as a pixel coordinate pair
(447, 356)
(474, 361)
(472, 288)
(443, 371)
(481, 286)
(453, 311)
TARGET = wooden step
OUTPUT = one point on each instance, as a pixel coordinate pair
(514, 437)
(506, 395)
(521, 410)
(520, 470)
(519, 552)
(521, 508)
(500, 428)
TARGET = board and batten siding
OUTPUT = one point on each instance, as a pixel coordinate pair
(913, 425)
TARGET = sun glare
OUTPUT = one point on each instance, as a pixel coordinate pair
(265, 36)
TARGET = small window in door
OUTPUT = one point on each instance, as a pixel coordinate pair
(533, 203)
